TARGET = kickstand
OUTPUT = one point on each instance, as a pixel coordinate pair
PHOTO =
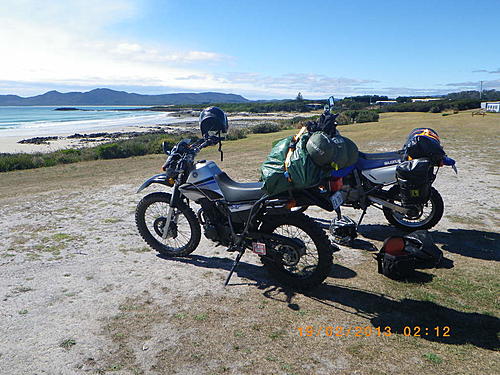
(235, 263)
(361, 217)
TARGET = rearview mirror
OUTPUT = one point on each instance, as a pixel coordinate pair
(164, 146)
(331, 101)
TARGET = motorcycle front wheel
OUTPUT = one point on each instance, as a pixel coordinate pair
(306, 265)
(184, 233)
(426, 216)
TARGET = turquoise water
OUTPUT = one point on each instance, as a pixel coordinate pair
(34, 120)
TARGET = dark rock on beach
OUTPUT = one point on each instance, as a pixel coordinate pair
(114, 135)
(38, 140)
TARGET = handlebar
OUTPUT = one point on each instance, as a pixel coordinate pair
(184, 148)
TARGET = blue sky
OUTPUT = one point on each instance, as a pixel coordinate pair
(260, 49)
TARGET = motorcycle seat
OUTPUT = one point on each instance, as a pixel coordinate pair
(239, 191)
(381, 155)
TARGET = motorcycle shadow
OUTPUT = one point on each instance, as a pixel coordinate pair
(256, 273)
(477, 329)
(466, 242)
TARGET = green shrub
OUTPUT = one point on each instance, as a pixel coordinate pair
(134, 147)
(265, 127)
(355, 116)
(236, 133)
(110, 151)
(344, 119)
(367, 116)
(66, 156)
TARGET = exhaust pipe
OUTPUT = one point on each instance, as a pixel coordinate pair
(389, 205)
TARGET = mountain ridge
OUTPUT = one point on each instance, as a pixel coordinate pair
(105, 96)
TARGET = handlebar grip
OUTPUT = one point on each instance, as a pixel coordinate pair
(448, 161)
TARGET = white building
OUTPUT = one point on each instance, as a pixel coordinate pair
(425, 100)
(385, 102)
(491, 106)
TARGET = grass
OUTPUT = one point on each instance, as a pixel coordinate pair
(433, 358)
(67, 344)
(233, 335)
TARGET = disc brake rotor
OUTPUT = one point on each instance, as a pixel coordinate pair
(415, 212)
(291, 254)
(159, 227)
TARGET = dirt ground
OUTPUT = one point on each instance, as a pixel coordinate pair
(83, 294)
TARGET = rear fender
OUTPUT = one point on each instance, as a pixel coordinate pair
(156, 179)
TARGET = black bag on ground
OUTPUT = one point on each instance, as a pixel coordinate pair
(415, 178)
(421, 245)
(424, 143)
(393, 261)
(399, 256)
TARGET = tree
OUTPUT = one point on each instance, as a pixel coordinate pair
(299, 97)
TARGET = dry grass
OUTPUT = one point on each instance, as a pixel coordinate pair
(258, 333)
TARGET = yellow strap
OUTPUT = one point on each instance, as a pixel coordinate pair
(295, 139)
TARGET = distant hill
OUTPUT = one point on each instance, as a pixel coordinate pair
(112, 97)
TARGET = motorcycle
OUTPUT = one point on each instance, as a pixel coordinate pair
(240, 216)
(373, 181)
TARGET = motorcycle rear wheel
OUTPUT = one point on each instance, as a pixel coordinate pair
(300, 271)
(426, 221)
(150, 220)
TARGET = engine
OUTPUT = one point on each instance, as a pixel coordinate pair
(215, 224)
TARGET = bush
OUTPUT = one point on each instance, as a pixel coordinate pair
(236, 133)
(265, 127)
(354, 116)
(367, 116)
(139, 145)
(344, 119)
(133, 147)
(110, 151)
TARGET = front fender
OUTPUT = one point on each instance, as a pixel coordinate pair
(156, 179)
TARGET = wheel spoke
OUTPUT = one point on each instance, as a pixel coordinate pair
(158, 210)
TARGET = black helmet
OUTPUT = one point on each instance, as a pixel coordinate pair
(213, 120)
(343, 230)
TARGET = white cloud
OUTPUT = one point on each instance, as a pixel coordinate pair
(65, 43)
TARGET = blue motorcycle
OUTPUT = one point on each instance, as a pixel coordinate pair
(397, 183)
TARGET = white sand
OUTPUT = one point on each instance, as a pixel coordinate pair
(8, 143)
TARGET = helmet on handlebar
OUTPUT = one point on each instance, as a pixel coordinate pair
(213, 120)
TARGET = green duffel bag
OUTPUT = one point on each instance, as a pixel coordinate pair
(331, 152)
(301, 172)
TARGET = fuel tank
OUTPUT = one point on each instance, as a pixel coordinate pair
(201, 182)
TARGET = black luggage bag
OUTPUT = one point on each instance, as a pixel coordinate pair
(415, 178)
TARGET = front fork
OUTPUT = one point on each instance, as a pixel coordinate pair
(170, 211)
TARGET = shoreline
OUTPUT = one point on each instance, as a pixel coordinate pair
(184, 123)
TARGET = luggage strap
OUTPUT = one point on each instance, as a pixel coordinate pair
(291, 148)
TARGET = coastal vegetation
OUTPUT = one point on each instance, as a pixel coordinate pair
(262, 106)
(458, 101)
(137, 146)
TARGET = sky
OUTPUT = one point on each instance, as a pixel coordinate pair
(258, 49)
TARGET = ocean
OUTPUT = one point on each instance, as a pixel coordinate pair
(33, 121)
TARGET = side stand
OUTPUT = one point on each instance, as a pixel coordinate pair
(235, 263)
(361, 217)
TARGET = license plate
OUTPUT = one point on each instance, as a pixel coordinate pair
(337, 199)
(259, 248)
